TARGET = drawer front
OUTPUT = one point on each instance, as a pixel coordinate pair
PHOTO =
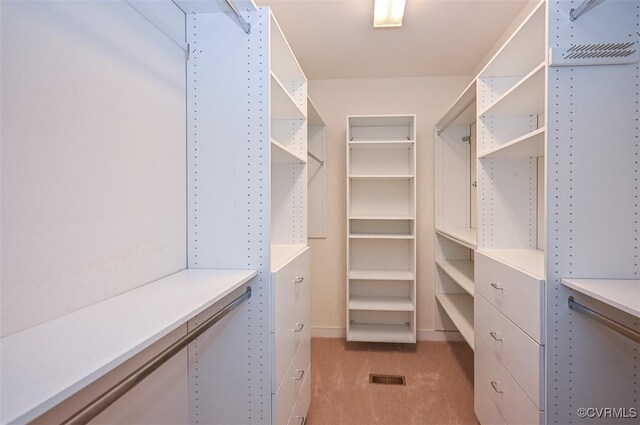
(284, 399)
(286, 343)
(512, 402)
(299, 414)
(517, 352)
(517, 295)
(486, 412)
(285, 292)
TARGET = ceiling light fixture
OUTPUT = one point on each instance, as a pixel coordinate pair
(388, 13)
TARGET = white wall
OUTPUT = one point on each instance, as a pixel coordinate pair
(93, 131)
(428, 98)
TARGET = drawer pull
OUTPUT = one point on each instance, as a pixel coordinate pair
(495, 336)
(299, 327)
(494, 384)
(298, 279)
(301, 419)
(300, 375)
(497, 286)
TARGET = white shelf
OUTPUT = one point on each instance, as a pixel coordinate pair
(530, 261)
(380, 303)
(46, 364)
(459, 308)
(380, 333)
(381, 275)
(619, 293)
(281, 254)
(380, 236)
(382, 176)
(526, 97)
(282, 154)
(466, 237)
(381, 217)
(380, 144)
(461, 271)
(282, 105)
(531, 145)
(463, 110)
(314, 119)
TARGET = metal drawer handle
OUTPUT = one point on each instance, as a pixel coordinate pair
(302, 419)
(300, 374)
(298, 279)
(495, 336)
(299, 327)
(497, 286)
(494, 384)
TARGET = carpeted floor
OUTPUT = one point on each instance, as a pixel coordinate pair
(439, 383)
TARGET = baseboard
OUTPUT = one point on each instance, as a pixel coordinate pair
(327, 332)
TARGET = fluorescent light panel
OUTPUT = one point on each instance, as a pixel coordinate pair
(388, 13)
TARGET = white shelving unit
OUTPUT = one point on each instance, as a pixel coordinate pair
(381, 193)
(456, 236)
(540, 156)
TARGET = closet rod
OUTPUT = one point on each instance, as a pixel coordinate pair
(238, 17)
(107, 398)
(316, 158)
(612, 324)
(584, 7)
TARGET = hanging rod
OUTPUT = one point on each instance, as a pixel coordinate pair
(238, 17)
(107, 398)
(316, 158)
(612, 324)
(583, 8)
(137, 6)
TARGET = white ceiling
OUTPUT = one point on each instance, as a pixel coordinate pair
(335, 38)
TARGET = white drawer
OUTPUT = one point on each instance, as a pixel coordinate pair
(519, 354)
(516, 294)
(285, 292)
(284, 399)
(486, 412)
(299, 413)
(285, 345)
(512, 402)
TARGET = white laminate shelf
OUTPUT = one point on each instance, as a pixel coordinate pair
(282, 105)
(380, 144)
(619, 293)
(45, 364)
(463, 110)
(462, 236)
(531, 145)
(524, 98)
(459, 308)
(380, 236)
(282, 154)
(381, 176)
(314, 118)
(530, 261)
(366, 332)
(281, 254)
(370, 303)
(381, 217)
(461, 271)
(381, 275)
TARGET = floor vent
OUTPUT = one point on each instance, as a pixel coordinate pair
(387, 379)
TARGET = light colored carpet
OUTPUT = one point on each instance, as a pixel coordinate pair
(439, 377)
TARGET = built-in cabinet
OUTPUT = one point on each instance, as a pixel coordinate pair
(544, 138)
(381, 240)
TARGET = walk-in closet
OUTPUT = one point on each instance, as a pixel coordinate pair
(320, 212)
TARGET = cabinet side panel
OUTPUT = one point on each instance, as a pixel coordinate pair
(592, 212)
(229, 209)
